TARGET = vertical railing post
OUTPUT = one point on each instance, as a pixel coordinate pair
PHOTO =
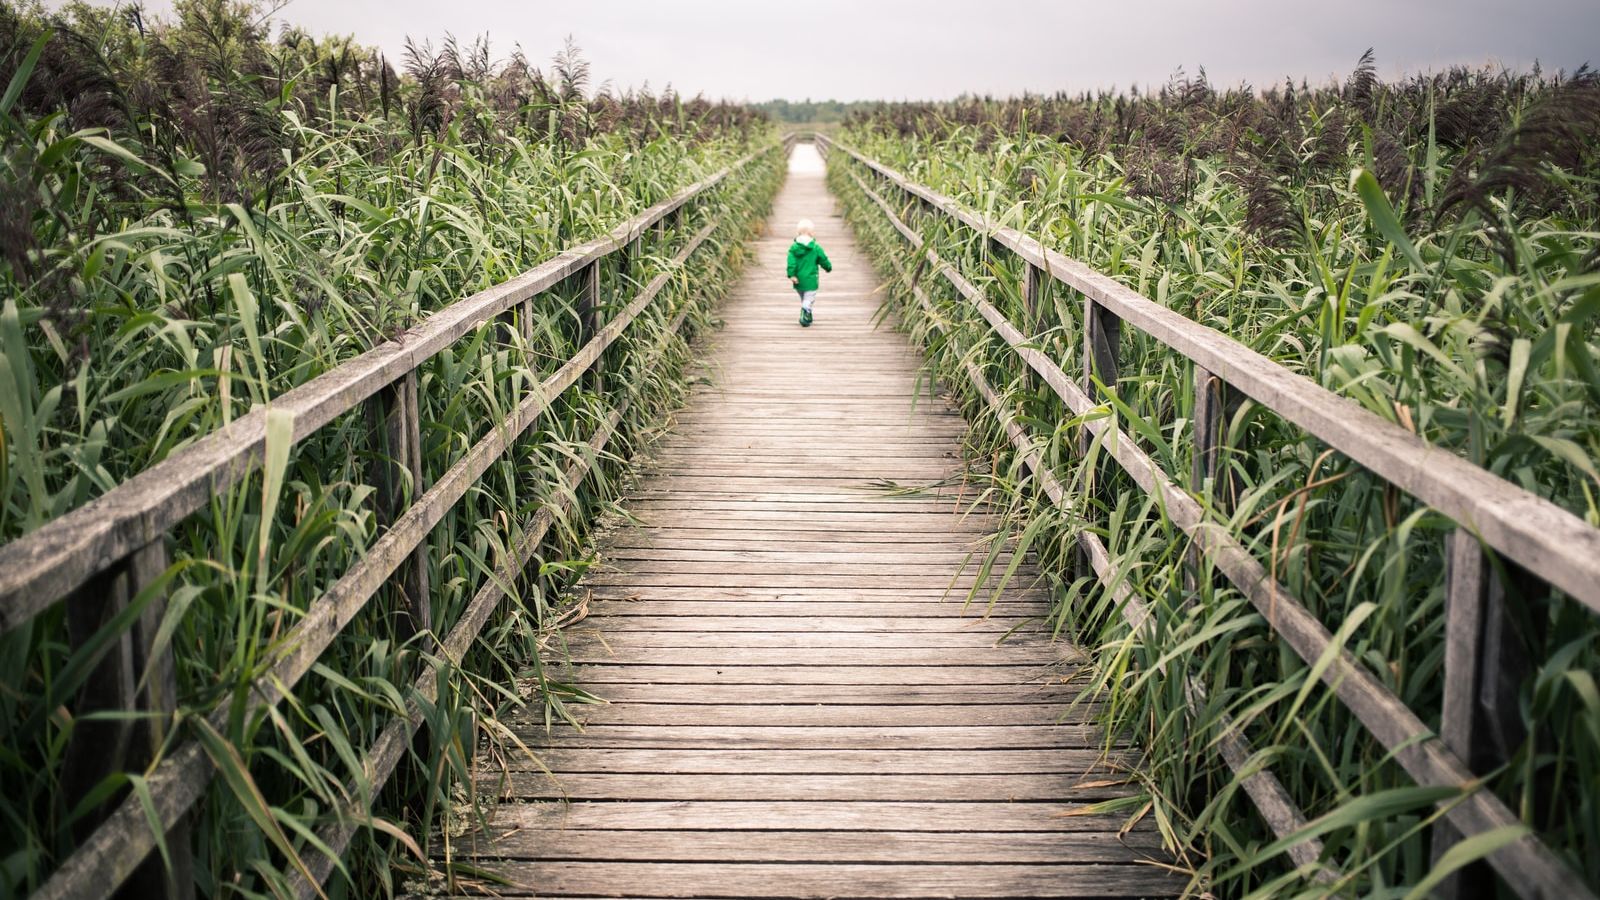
(589, 319)
(1102, 333)
(1485, 664)
(525, 320)
(628, 258)
(1466, 593)
(1209, 402)
(397, 476)
(1033, 286)
(133, 678)
(1208, 426)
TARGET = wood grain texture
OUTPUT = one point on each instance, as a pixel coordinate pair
(831, 880)
(720, 761)
(797, 701)
(826, 846)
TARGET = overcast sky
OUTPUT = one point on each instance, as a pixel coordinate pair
(933, 49)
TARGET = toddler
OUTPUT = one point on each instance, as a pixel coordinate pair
(805, 255)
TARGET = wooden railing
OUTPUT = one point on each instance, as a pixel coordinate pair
(1492, 515)
(110, 554)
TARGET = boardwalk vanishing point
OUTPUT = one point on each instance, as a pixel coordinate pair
(799, 704)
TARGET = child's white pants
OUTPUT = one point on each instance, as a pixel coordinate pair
(806, 299)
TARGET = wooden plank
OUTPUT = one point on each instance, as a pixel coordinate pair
(863, 565)
(1054, 694)
(747, 816)
(942, 526)
(555, 879)
(985, 848)
(1080, 788)
(819, 714)
(901, 415)
(809, 594)
(713, 539)
(950, 554)
(909, 620)
(790, 737)
(624, 671)
(926, 469)
(933, 581)
(722, 761)
(775, 607)
(831, 514)
(646, 642)
(844, 656)
(870, 494)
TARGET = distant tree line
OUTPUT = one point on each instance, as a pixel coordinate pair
(811, 112)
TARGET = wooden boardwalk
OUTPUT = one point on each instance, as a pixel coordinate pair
(796, 708)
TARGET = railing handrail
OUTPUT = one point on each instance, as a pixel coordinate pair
(1527, 863)
(1535, 532)
(41, 567)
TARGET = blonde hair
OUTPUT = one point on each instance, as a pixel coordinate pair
(804, 226)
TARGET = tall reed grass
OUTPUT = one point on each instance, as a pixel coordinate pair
(1428, 248)
(198, 217)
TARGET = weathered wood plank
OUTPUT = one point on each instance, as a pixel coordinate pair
(819, 714)
(644, 642)
(954, 553)
(1056, 695)
(649, 618)
(863, 565)
(747, 816)
(832, 881)
(1080, 788)
(802, 610)
(809, 594)
(721, 761)
(623, 672)
(871, 737)
(933, 581)
(843, 656)
(819, 846)
(713, 540)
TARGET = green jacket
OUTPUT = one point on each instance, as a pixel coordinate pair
(803, 262)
